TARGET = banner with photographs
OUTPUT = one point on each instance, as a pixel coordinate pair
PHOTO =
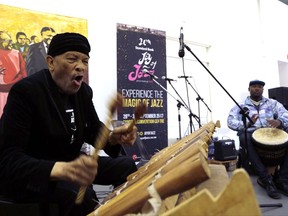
(25, 36)
(141, 62)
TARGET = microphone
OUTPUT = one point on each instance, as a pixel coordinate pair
(168, 79)
(185, 77)
(181, 52)
(150, 74)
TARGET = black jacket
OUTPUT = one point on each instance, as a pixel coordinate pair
(36, 58)
(35, 132)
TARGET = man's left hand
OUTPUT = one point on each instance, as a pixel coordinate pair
(121, 135)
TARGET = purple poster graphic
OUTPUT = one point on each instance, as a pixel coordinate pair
(141, 57)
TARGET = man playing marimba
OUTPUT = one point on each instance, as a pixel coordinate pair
(47, 118)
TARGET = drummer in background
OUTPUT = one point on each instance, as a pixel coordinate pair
(264, 112)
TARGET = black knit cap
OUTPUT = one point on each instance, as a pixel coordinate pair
(254, 82)
(68, 41)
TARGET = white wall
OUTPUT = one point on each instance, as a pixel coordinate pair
(247, 38)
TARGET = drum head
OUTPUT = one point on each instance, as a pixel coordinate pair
(270, 136)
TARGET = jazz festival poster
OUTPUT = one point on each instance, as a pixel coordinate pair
(14, 20)
(141, 50)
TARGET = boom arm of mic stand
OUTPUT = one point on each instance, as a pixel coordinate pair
(167, 92)
(179, 104)
(188, 48)
(191, 114)
(199, 97)
(183, 104)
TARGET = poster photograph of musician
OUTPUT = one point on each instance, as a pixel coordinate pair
(24, 43)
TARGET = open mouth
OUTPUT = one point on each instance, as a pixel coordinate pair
(78, 79)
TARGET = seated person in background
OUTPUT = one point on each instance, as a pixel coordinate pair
(264, 112)
(47, 118)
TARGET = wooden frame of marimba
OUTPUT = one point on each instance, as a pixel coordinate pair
(170, 173)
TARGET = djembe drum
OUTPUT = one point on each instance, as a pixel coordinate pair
(271, 145)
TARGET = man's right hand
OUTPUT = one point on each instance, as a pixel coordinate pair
(254, 118)
(81, 171)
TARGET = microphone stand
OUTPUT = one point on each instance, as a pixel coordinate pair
(179, 104)
(198, 99)
(244, 149)
(190, 112)
(181, 54)
(242, 111)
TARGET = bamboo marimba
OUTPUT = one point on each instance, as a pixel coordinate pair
(173, 170)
